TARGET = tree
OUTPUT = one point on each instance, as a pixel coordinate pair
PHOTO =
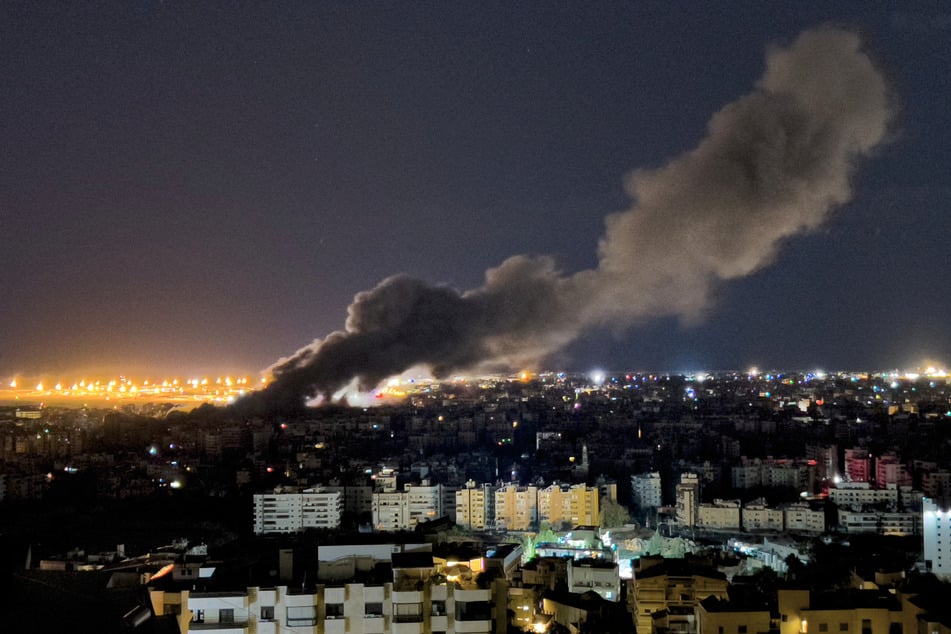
(612, 514)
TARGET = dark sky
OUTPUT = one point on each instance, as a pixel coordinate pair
(197, 188)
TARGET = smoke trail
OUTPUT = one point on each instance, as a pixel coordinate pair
(773, 164)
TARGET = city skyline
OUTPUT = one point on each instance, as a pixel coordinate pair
(204, 190)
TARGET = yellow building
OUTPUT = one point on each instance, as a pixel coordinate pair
(516, 507)
(662, 584)
(576, 505)
(716, 616)
(843, 612)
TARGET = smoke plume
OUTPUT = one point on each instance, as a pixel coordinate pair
(773, 164)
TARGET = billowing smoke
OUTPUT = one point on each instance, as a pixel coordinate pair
(773, 164)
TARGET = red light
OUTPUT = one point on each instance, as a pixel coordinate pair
(270, 469)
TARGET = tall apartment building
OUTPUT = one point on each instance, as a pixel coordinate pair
(827, 460)
(516, 507)
(889, 469)
(936, 529)
(475, 506)
(688, 499)
(646, 490)
(574, 505)
(292, 512)
(398, 511)
(857, 465)
(390, 511)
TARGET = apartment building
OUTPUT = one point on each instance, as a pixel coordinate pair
(572, 505)
(936, 530)
(757, 516)
(475, 506)
(646, 490)
(720, 515)
(292, 512)
(516, 507)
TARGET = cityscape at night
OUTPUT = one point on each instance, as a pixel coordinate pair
(499, 317)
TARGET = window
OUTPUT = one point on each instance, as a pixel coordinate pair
(866, 626)
(741, 629)
(226, 615)
(720, 629)
(408, 612)
(843, 627)
(823, 627)
(198, 616)
(267, 612)
(304, 615)
(473, 611)
(439, 608)
(374, 610)
(335, 610)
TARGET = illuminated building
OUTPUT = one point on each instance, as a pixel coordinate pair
(397, 511)
(664, 584)
(573, 505)
(857, 465)
(759, 517)
(282, 512)
(716, 616)
(351, 607)
(646, 490)
(688, 499)
(475, 506)
(516, 507)
(720, 515)
(936, 530)
(845, 612)
(874, 522)
(889, 470)
(801, 518)
(594, 575)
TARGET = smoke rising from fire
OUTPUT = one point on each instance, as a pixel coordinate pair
(773, 164)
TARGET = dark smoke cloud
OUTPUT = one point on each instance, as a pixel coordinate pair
(774, 164)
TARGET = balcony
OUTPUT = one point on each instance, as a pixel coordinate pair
(374, 625)
(407, 628)
(234, 627)
(335, 625)
(473, 626)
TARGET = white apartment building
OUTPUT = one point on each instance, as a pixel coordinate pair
(880, 523)
(399, 511)
(800, 517)
(646, 490)
(351, 608)
(857, 495)
(720, 515)
(292, 512)
(475, 506)
(425, 502)
(587, 575)
(757, 516)
(390, 511)
(936, 530)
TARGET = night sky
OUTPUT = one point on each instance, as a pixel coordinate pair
(198, 188)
